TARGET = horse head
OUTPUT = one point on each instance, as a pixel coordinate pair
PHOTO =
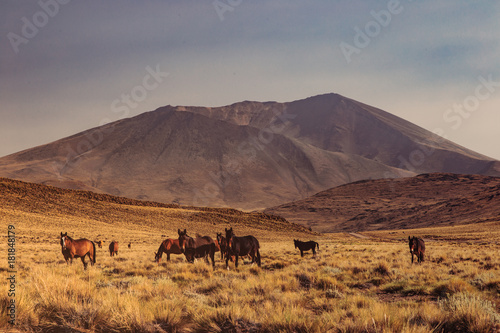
(157, 257)
(182, 239)
(64, 238)
(295, 242)
(413, 243)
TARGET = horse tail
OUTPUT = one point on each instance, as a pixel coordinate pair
(258, 257)
(95, 252)
(317, 245)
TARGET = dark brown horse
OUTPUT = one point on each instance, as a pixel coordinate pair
(196, 247)
(113, 248)
(168, 246)
(77, 249)
(222, 245)
(417, 247)
(241, 246)
(306, 246)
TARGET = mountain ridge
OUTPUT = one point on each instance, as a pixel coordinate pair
(248, 155)
(425, 200)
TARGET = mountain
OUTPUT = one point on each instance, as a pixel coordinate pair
(426, 200)
(248, 155)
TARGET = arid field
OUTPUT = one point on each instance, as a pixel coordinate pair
(361, 282)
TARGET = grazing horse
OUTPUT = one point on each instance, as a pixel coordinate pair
(196, 247)
(168, 246)
(306, 246)
(113, 248)
(417, 247)
(241, 246)
(77, 249)
(99, 243)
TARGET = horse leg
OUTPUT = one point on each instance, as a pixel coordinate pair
(301, 253)
(236, 255)
(168, 256)
(314, 252)
(258, 258)
(212, 256)
(84, 263)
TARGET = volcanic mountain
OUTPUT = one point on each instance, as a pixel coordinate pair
(426, 200)
(248, 155)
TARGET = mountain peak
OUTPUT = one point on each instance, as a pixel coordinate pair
(247, 155)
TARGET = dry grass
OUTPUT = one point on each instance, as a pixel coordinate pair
(353, 285)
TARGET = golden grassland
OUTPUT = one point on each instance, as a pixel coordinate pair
(353, 284)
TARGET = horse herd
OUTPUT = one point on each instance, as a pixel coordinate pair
(231, 247)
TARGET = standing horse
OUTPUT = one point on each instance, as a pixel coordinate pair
(77, 249)
(99, 243)
(306, 246)
(196, 247)
(241, 246)
(417, 247)
(113, 248)
(168, 246)
(222, 245)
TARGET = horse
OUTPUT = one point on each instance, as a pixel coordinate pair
(306, 246)
(99, 243)
(129, 245)
(189, 246)
(77, 249)
(202, 251)
(113, 248)
(417, 247)
(241, 246)
(168, 246)
(223, 247)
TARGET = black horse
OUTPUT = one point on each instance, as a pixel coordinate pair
(306, 246)
(198, 247)
(417, 247)
(241, 246)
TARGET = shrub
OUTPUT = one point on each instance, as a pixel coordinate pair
(468, 313)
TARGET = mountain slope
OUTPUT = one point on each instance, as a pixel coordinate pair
(426, 200)
(248, 155)
(30, 200)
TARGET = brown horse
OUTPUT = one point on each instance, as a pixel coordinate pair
(196, 247)
(99, 243)
(113, 248)
(168, 246)
(417, 247)
(77, 249)
(306, 246)
(241, 246)
(223, 248)
(222, 245)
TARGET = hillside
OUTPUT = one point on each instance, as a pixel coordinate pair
(45, 211)
(427, 200)
(248, 155)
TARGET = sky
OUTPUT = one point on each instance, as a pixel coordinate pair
(67, 66)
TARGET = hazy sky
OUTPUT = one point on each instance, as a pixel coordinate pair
(66, 66)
